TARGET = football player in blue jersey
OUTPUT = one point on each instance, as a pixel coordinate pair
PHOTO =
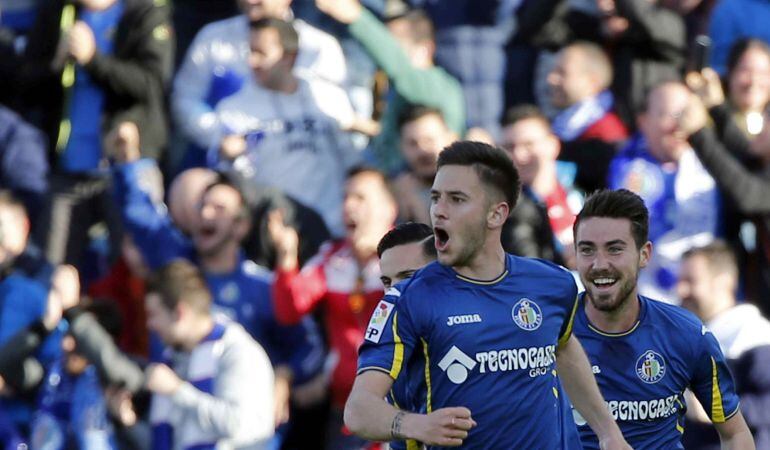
(402, 251)
(644, 352)
(487, 328)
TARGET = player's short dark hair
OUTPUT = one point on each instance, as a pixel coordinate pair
(420, 26)
(719, 257)
(415, 112)
(518, 113)
(180, 281)
(286, 32)
(406, 233)
(617, 204)
(494, 168)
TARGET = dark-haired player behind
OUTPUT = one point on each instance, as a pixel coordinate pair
(644, 353)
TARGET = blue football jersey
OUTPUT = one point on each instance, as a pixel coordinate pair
(489, 346)
(644, 372)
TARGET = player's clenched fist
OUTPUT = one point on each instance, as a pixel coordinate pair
(446, 427)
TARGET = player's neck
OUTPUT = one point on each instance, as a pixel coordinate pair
(619, 320)
(488, 264)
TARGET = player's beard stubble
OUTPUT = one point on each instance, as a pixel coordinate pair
(610, 302)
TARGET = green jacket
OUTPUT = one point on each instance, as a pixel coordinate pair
(432, 87)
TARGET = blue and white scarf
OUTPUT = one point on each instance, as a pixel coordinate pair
(573, 121)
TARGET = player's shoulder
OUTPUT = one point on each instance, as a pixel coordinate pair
(541, 271)
(423, 284)
(429, 277)
(538, 267)
(672, 317)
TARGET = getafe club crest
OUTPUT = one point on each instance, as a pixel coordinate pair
(650, 367)
(527, 315)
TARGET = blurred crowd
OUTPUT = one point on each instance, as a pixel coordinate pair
(193, 191)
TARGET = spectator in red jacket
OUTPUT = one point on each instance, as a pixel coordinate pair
(344, 277)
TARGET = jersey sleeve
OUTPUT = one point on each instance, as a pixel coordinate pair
(390, 336)
(712, 382)
(566, 329)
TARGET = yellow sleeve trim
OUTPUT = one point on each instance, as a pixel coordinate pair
(428, 399)
(717, 409)
(398, 350)
(568, 332)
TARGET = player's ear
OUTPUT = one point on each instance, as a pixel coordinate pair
(645, 253)
(497, 215)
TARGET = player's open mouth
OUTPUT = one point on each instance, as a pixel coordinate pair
(442, 238)
(604, 282)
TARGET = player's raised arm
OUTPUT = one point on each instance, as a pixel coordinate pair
(580, 384)
(369, 416)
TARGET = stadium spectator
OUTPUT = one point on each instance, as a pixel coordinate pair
(200, 394)
(611, 235)
(578, 87)
(732, 20)
(540, 225)
(286, 130)
(661, 166)
(649, 41)
(586, 122)
(89, 65)
(740, 168)
(748, 83)
(344, 277)
(71, 405)
(404, 51)
(241, 290)
(708, 282)
(20, 369)
(23, 301)
(217, 66)
(423, 134)
(470, 40)
(542, 29)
